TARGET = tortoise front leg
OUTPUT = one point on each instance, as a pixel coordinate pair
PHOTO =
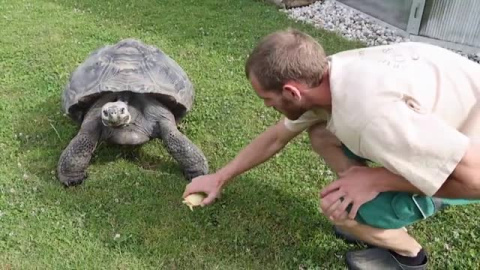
(161, 123)
(183, 150)
(73, 163)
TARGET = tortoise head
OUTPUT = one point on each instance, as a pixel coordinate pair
(115, 114)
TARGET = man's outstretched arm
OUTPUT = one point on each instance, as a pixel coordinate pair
(258, 151)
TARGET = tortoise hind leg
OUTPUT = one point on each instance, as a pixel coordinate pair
(75, 158)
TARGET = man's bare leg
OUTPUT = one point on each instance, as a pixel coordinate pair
(328, 147)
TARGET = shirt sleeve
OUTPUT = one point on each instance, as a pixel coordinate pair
(416, 145)
(308, 119)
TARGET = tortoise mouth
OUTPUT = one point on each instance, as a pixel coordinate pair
(115, 114)
(117, 124)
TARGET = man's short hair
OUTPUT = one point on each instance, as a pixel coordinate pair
(286, 55)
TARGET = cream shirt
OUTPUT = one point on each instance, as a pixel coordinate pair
(411, 107)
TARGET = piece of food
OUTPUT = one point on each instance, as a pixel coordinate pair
(194, 200)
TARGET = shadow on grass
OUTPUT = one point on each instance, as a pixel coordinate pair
(132, 203)
(132, 200)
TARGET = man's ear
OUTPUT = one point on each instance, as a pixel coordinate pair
(290, 91)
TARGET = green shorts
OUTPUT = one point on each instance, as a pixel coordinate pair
(393, 210)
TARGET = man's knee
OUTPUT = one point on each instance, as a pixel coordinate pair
(345, 223)
(321, 138)
(329, 147)
(393, 210)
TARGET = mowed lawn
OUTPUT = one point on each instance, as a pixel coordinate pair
(128, 214)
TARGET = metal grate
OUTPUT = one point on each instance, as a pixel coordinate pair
(393, 12)
(455, 21)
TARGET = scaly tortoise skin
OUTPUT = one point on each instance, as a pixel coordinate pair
(128, 93)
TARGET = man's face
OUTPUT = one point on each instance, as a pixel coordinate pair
(283, 102)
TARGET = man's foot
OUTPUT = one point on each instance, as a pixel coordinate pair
(379, 258)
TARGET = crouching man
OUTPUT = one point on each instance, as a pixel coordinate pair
(410, 108)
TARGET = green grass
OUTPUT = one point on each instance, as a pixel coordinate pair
(128, 214)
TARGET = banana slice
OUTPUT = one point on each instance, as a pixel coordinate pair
(193, 200)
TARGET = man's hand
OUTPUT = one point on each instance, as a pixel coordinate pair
(355, 186)
(210, 184)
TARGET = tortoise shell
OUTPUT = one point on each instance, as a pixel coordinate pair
(132, 66)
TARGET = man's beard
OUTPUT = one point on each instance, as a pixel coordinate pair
(294, 115)
(291, 111)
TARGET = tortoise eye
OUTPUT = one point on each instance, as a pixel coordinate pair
(122, 111)
(105, 113)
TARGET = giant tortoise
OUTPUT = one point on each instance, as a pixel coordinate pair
(128, 93)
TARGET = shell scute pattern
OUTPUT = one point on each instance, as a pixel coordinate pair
(129, 65)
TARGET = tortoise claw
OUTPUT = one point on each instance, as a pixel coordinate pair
(73, 180)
